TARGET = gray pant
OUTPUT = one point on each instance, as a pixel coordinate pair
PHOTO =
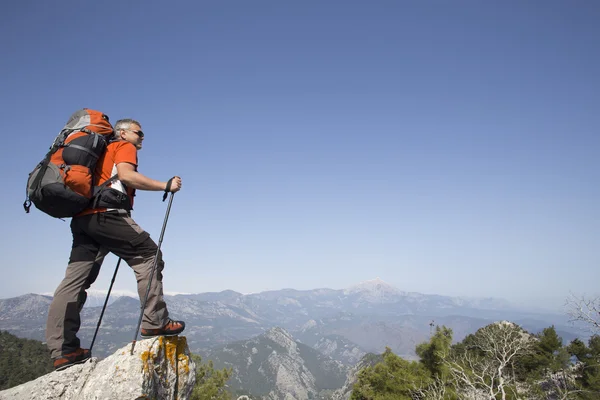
(93, 236)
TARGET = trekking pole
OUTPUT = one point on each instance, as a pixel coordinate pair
(105, 303)
(162, 233)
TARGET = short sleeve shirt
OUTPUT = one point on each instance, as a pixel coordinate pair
(116, 153)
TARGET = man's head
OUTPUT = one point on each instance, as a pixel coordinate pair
(129, 130)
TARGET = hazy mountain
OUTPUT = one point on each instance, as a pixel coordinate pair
(275, 366)
(96, 297)
(25, 316)
(339, 348)
(342, 323)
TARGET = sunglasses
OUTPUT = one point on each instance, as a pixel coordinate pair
(139, 133)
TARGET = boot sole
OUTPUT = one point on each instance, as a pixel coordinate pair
(63, 367)
(162, 334)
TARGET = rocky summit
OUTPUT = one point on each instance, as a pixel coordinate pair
(160, 368)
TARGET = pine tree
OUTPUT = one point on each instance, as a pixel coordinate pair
(588, 367)
(392, 379)
(210, 383)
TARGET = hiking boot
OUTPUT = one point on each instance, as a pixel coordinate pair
(77, 357)
(170, 329)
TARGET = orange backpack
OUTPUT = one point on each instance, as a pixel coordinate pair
(62, 184)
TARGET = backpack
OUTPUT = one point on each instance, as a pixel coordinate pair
(62, 184)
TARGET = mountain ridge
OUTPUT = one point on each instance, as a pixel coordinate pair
(369, 315)
(274, 365)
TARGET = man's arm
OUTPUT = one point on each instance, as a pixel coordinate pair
(129, 176)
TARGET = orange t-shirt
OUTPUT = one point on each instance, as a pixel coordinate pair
(116, 153)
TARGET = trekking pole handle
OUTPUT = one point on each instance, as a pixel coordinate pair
(168, 187)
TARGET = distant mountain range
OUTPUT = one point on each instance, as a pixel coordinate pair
(330, 330)
(371, 315)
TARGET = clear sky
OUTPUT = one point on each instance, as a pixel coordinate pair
(447, 147)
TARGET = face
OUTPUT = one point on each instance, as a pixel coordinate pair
(133, 135)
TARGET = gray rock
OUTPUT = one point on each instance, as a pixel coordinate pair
(160, 368)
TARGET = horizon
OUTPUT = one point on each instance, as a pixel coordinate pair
(554, 308)
(450, 148)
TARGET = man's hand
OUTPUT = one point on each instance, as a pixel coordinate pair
(175, 185)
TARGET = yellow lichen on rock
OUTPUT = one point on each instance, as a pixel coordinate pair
(184, 360)
(181, 344)
(175, 347)
(146, 356)
(171, 348)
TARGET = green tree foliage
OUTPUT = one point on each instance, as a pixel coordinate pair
(549, 342)
(499, 362)
(588, 367)
(392, 379)
(21, 360)
(210, 383)
(434, 352)
(578, 349)
(547, 355)
(433, 355)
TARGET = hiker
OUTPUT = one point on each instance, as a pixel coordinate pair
(100, 229)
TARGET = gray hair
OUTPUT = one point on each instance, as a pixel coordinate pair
(124, 123)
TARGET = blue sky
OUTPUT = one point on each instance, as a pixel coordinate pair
(445, 147)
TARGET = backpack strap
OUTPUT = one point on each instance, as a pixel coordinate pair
(96, 136)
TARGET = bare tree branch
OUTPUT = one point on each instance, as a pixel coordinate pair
(434, 390)
(500, 343)
(586, 310)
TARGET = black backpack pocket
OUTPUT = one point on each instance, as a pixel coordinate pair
(111, 198)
